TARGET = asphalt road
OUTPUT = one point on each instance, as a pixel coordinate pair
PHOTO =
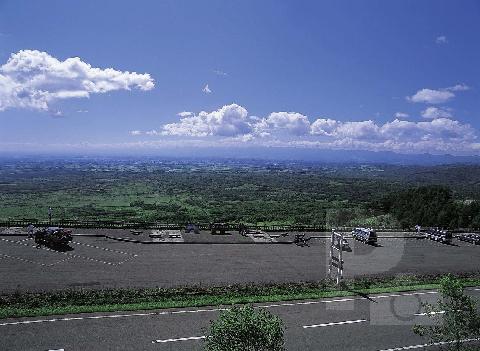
(381, 322)
(103, 263)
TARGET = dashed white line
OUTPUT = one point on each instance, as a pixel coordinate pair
(179, 339)
(333, 323)
(429, 313)
(64, 253)
(412, 347)
(23, 260)
(104, 248)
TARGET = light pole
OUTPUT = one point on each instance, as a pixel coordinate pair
(50, 216)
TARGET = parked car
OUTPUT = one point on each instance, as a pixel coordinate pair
(53, 236)
(470, 238)
(366, 235)
(439, 235)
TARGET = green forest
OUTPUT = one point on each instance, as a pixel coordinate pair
(252, 192)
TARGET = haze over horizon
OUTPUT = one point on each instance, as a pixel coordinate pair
(263, 79)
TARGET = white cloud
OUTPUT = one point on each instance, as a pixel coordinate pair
(458, 87)
(324, 126)
(220, 73)
(135, 132)
(431, 96)
(357, 130)
(34, 79)
(206, 89)
(231, 125)
(442, 39)
(436, 112)
(184, 114)
(289, 123)
(437, 96)
(230, 120)
(401, 115)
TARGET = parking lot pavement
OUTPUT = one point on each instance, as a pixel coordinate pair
(103, 263)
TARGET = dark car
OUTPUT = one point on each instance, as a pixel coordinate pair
(53, 236)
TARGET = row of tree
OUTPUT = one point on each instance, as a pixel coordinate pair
(430, 206)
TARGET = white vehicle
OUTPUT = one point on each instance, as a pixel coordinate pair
(365, 235)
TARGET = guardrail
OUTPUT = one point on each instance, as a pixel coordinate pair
(153, 225)
(99, 224)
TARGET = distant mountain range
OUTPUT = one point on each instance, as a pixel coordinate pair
(277, 153)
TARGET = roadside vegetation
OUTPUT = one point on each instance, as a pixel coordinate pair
(244, 328)
(21, 304)
(455, 319)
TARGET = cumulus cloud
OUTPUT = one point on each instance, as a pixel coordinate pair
(437, 96)
(230, 120)
(206, 89)
(283, 123)
(436, 112)
(232, 125)
(34, 79)
(401, 115)
(324, 126)
(431, 96)
(184, 114)
(442, 39)
(135, 132)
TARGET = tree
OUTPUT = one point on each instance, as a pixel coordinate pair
(455, 317)
(431, 205)
(245, 329)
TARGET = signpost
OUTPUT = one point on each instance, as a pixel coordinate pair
(336, 254)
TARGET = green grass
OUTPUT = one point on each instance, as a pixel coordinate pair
(110, 300)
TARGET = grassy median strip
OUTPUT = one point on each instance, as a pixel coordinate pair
(30, 304)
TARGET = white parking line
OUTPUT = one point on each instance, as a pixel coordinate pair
(179, 339)
(63, 253)
(22, 259)
(334, 323)
(428, 345)
(104, 248)
(111, 316)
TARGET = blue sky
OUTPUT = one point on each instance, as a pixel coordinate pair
(396, 76)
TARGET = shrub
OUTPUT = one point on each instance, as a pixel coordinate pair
(245, 329)
(455, 318)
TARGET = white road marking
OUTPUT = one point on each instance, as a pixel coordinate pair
(179, 339)
(63, 253)
(429, 314)
(428, 345)
(334, 323)
(104, 248)
(57, 350)
(22, 259)
(111, 316)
